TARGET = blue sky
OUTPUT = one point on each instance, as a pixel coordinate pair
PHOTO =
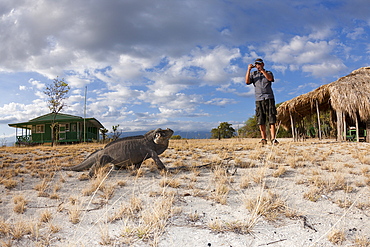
(176, 64)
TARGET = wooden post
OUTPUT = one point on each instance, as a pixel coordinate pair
(292, 125)
(357, 130)
(339, 126)
(344, 126)
(368, 130)
(318, 118)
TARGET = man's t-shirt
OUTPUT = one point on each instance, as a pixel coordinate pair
(262, 86)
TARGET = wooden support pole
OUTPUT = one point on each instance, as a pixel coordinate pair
(318, 119)
(292, 125)
(339, 126)
(368, 130)
(357, 130)
(344, 124)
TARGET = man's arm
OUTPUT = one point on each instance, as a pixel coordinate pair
(268, 76)
(248, 74)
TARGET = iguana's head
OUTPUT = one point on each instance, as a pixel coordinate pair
(161, 137)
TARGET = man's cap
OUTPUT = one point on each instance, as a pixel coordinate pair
(258, 60)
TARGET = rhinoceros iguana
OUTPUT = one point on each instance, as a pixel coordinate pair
(128, 151)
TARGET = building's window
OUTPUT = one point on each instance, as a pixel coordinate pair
(40, 128)
(73, 127)
(67, 127)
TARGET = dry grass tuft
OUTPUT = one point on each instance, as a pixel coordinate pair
(193, 217)
(138, 172)
(54, 228)
(130, 211)
(9, 183)
(239, 227)
(267, 204)
(152, 220)
(46, 216)
(108, 190)
(337, 236)
(41, 188)
(313, 194)
(19, 204)
(361, 241)
(279, 172)
(74, 213)
(96, 182)
(170, 182)
(105, 238)
(259, 176)
(19, 229)
(216, 225)
(4, 227)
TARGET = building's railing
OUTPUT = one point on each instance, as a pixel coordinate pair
(24, 138)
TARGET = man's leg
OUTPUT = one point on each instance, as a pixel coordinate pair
(263, 131)
(272, 131)
(273, 134)
(272, 119)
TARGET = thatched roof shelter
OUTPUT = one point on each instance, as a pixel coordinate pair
(349, 96)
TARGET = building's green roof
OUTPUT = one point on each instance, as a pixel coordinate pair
(59, 117)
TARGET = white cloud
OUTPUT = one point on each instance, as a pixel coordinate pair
(168, 56)
(321, 33)
(281, 68)
(221, 101)
(36, 84)
(132, 68)
(18, 112)
(77, 81)
(313, 56)
(324, 69)
(357, 33)
(216, 63)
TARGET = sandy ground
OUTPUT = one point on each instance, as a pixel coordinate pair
(234, 193)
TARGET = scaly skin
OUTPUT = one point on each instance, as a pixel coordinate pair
(128, 151)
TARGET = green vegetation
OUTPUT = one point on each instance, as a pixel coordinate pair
(224, 130)
(104, 132)
(307, 128)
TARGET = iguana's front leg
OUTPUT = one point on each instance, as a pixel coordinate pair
(157, 161)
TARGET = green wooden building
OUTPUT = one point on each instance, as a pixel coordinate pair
(71, 129)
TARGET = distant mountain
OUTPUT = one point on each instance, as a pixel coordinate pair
(183, 134)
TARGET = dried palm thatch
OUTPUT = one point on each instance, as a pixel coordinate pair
(349, 94)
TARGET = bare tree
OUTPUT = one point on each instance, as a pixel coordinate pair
(57, 92)
(116, 132)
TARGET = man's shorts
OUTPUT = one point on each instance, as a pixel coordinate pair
(266, 108)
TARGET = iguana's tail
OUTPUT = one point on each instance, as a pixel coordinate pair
(87, 163)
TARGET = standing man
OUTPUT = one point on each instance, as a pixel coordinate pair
(265, 100)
